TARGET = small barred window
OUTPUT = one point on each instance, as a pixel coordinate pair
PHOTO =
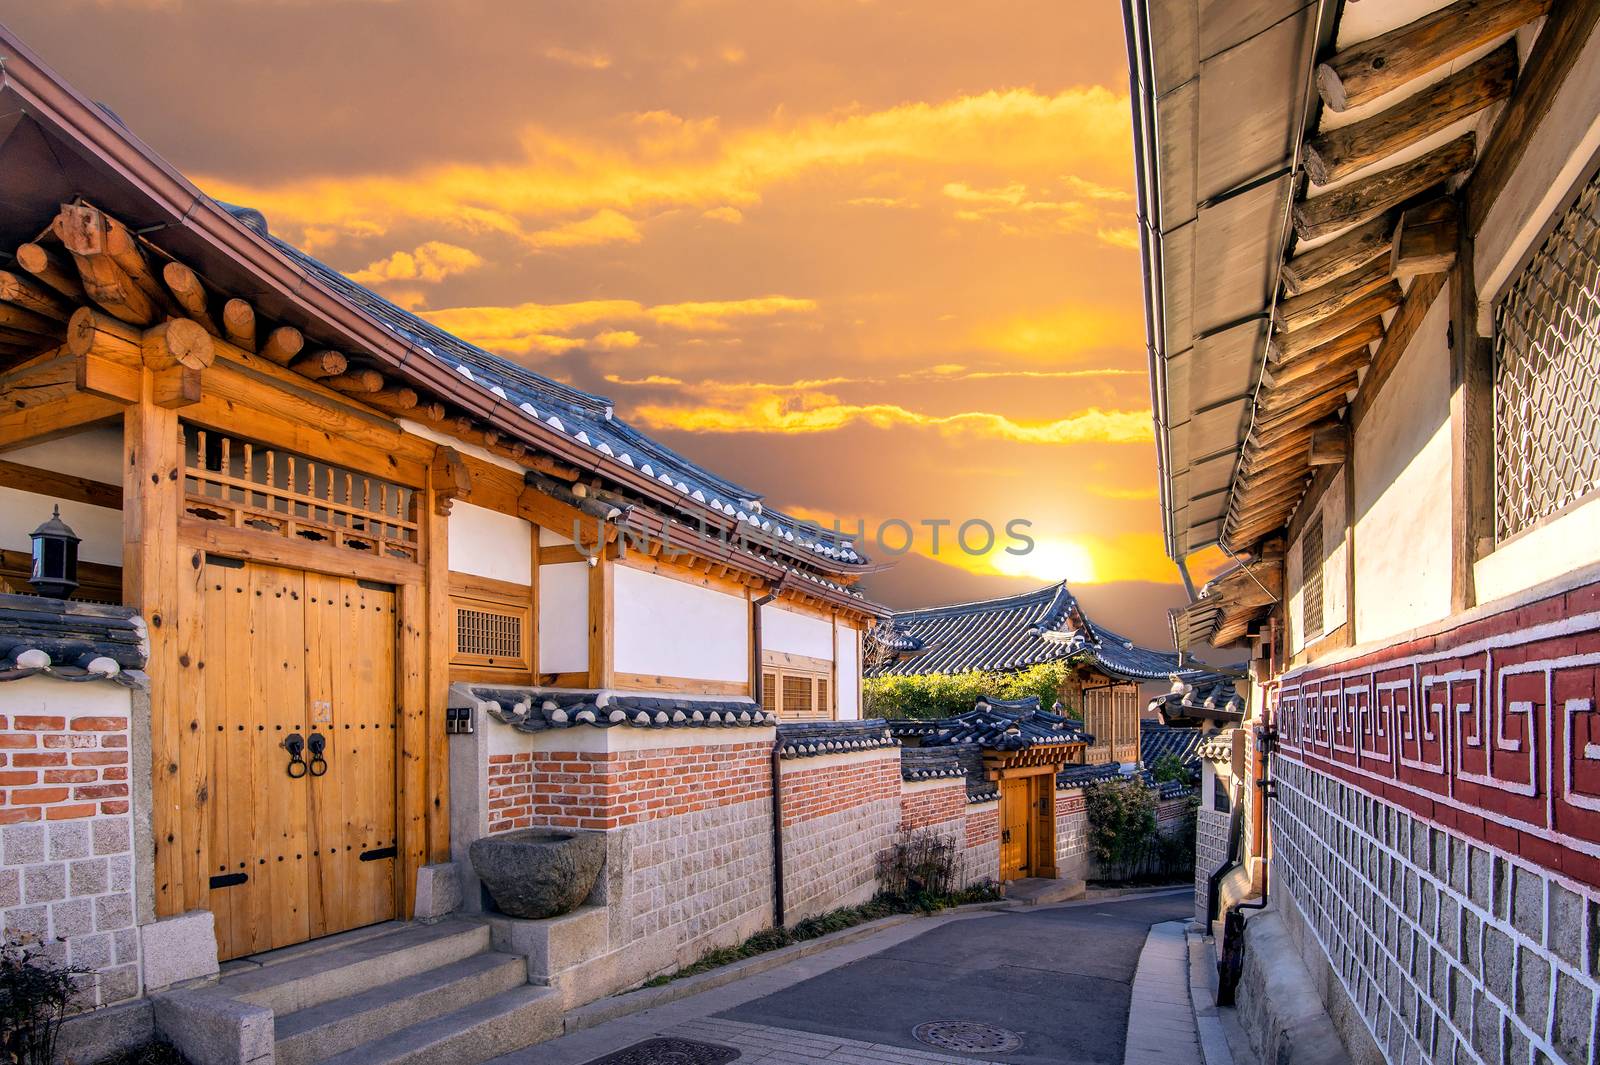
(1311, 579)
(1547, 374)
(488, 635)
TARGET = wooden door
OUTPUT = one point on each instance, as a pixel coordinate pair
(300, 847)
(1042, 797)
(1016, 829)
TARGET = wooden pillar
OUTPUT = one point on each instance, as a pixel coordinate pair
(441, 627)
(152, 491)
(602, 612)
(1471, 432)
(424, 657)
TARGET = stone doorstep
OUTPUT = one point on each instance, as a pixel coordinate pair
(1041, 891)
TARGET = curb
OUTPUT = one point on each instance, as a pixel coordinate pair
(1214, 1045)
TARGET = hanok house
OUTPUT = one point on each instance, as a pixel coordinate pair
(1013, 752)
(391, 594)
(1015, 632)
(1372, 240)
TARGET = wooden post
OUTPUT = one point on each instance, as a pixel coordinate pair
(152, 492)
(602, 614)
(436, 528)
(1471, 432)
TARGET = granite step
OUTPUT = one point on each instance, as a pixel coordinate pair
(472, 1034)
(320, 1032)
(351, 969)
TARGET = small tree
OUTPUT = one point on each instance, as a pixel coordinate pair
(1122, 823)
(1169, 767)
(935, 695)
(921, 865)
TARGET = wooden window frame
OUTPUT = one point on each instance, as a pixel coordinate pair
(779, 667)
(505, 598)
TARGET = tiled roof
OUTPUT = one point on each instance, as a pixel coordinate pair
(1217, 746)
(532, 710)
(1014, 632)
(1210, 696)
(809, 739)
(930, 763)
(588, 419)
(997, 725)
(1076, 776)
(69, 640)
(1158, 741)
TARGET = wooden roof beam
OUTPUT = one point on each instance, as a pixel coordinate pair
(1344, 253)
(1330, 445)
(1280, 400)
(1298, 373)
(1288, 346)
(1425, 241)
(1360, 200)
(1324, 301)
(1366, 71)
(1337, 153)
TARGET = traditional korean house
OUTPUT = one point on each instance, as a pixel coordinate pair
(393, 594)
(1015, 632)
(1371, 235)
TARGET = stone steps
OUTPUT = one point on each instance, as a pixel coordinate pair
(310, 979)
(320, 1032)
(497, 1025)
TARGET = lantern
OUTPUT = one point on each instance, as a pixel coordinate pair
(55, 558)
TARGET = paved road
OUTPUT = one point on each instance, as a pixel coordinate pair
(1060, 978)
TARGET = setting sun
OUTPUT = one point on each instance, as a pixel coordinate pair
(1050, 560)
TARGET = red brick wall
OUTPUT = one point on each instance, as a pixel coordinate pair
(929, 806)
(983, 827)
(1070, 802)
(1171, 811)
(570, 789)
(53, 769)
(812, 793)
(1491, 729)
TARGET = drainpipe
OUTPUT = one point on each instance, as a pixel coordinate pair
(777, 755)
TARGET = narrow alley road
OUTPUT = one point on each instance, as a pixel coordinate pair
(1035, 987)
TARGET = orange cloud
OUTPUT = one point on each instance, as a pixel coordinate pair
(1068, 330)
(432, 262)
(546, 327)
(820, 412)
(667, 161)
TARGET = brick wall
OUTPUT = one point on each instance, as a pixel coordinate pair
(1449, 949)
(840, 813)
(612, 789)
(938, 804)
(981, 842)
(66, 835)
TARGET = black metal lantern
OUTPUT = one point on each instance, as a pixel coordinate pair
(55, 558)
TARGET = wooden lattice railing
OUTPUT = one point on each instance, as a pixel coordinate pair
(255, 486)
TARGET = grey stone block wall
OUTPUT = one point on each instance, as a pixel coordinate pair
(1072, 840)
(694, 882)
(832, 861)
(1210, 851)
(1449, 951)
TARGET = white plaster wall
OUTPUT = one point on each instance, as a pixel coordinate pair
(487, 543)
(1336, 554)
(795, 633)
(564, 617)
(668, 627)
(551, 538)
(1402, 490)
(847, 659)
(1294, 582)
(97, 455)
(1549, 550)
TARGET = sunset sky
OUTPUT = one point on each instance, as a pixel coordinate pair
(874, 259)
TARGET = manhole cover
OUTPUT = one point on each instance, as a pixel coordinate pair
(669, 1052)
(968, 1037)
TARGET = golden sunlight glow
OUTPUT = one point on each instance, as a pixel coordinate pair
(1050, 560)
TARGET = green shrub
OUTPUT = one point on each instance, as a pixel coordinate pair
(35, 995)
(936, 695)
(1122, 821)
(1169, 767)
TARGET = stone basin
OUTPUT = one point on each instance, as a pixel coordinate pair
(539, 872)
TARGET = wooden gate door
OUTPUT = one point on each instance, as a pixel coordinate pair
(299, 687)
(1016, 829)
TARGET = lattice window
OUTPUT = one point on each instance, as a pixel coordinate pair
(797, 696)
(824, 707)
(1547, 374)
(254, 486)
(769, 692)
(1311, 579)
(488, 634)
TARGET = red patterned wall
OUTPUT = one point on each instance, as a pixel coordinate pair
(1491, 729)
